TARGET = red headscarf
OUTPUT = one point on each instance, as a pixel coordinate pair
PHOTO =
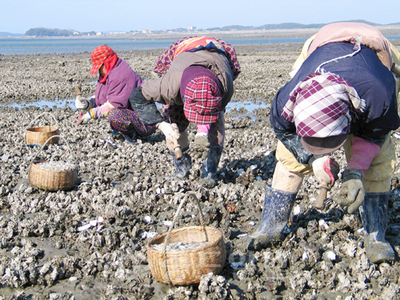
(103, 55)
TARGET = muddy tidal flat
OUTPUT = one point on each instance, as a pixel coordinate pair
(90, 242)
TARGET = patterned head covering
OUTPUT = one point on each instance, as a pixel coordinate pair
(321, 106)
(99, 56)
(165, 59)
(202, 100)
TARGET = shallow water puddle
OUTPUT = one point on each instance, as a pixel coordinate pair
(45, 103)
(240, 109)
(48, 247)
(248, 106)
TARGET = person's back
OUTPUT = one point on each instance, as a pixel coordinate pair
(121, 80)
(364, 71)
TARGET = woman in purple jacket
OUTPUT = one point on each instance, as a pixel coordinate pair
(111, 97)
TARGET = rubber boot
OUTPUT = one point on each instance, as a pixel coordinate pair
(210, 166)
(276, 213)
(128, 136)
(183, 165)
(278, 203)
(374, 217)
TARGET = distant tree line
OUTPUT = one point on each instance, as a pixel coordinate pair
(43, 32)
(40, 32)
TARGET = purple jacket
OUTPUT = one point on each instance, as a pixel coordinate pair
(115, 91)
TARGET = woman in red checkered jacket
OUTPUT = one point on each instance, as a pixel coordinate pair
(195, 84)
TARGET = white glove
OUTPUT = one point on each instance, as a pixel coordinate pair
(326, 170)
(171, 131)
(81, 103)
(84, 118)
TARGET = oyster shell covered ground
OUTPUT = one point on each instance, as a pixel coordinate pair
(90, 242)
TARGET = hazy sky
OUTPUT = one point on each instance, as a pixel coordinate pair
(18, 16)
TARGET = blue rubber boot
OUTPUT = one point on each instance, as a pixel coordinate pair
(276, 213)
(183, 165)
(210, 166)
(374, 217)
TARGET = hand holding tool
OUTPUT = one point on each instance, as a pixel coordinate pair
(171, 132)
(322, 195)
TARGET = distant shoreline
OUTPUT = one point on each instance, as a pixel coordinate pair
(300, 32)
(176, 35)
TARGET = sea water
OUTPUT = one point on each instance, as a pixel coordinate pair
(21, 46)
(25, 46)
(249, 106)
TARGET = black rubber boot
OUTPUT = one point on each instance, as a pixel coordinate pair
(183, 165)
(130, 136)
(127, 136)
(210, 166)
(374, 217)
(276, 213)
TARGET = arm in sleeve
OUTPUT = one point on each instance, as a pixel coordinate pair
(151, 90)
(363, 153)
(118, 92)
(165, 90)
(101, 111)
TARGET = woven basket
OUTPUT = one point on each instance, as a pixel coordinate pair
(187, 267)
(39, 135)
(42, 134)
(52, 180)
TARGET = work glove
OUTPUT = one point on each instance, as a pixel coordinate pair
(326, 170)
(82, 103)
(352, 192)
(84, 118)
(171, 131)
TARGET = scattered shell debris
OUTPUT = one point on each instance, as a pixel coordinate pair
(57, 165)
(147, 219)
(148, 235)
(92, 223)
(179, 246)
(49, 253)
(167, 223)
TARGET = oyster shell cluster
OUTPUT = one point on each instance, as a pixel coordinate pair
(56, 165)
(90, 242)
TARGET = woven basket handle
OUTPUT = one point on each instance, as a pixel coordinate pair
(37, 117)
(37, 152)
(53, 136)
(44, 144)
(194, 199)
(41, 148)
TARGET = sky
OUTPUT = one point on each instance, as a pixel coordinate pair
(18, 16)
